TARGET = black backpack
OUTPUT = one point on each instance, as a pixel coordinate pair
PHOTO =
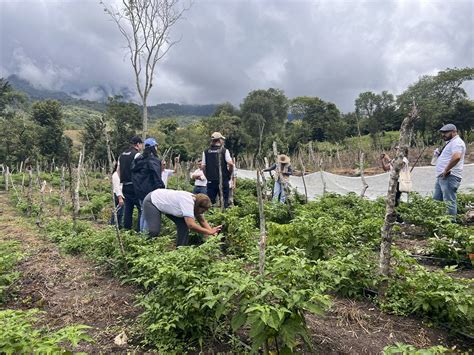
(146, 175)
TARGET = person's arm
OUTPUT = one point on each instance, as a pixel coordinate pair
(273, 167)
(117, 186)
(176, 162)
(290, 171)
(229, 161)
(385, 161)
(203, 164)
(455, 158)
(205, 229)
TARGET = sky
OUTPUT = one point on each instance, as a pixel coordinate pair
(332, 49)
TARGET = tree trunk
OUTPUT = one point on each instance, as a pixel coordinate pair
(302, 177)
(30, 192)
(77, 205)
(145, 119)
(7, 172)
(390, 214)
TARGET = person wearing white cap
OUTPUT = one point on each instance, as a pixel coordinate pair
(210, 167)
(449, 167)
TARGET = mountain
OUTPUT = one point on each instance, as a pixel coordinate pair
(95, 98)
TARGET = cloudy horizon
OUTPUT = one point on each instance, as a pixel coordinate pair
(330, 49)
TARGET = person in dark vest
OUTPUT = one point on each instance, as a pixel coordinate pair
(210, 167)
(146, 174)
(125, 174)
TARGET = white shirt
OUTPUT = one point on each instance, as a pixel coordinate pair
(199, 178)
(165, 174)
(405, 164)
(175, 203)
(455, 145)
(117, 186)
(228, 158)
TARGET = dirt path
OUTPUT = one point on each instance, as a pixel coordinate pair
(69, 289)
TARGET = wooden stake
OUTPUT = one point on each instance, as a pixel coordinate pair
(365, 186)
(263, 232)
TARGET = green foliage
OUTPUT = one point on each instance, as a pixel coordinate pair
(97, 204)
(19, 335)
(407, 349)
(10, 254)
(433, 294)
(424, 212)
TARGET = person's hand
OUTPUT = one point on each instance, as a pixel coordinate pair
(120, 201)
(445, 174)
(216, 230)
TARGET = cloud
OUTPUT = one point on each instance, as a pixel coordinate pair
(330, 49)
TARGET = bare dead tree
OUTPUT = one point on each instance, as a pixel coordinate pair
(146, 27)
(61, 193)
(303, 170)
(76, 201)
(390, 214)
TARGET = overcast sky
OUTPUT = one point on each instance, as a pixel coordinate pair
(328, 48)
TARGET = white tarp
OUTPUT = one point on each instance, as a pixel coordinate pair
(423, 178)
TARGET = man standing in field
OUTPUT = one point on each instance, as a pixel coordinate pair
(125, 173)
(449, 167)
(212, 159)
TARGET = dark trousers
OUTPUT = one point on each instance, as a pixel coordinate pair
(398, 194)
(199, 189)
(131, 201)
(213, 191)
(119, 213)
(152, 217)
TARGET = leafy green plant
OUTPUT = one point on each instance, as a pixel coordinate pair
(19, 335)
(407, 349)
(10, 254)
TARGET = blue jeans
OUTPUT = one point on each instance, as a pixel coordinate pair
(279, 192)
(200, 190)
(445, 190)
(143, 224)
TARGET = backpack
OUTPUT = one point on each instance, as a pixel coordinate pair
(146, 175)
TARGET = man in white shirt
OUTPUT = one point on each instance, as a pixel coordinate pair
(449, 167)
(166, 173)
(182, 208)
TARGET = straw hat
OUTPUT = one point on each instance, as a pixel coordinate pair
(283, 159)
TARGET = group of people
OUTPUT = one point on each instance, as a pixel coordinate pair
(449, 162)
(140, 180)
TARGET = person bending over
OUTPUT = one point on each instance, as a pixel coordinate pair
(183, 208)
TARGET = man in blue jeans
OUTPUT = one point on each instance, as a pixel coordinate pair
(449, 167)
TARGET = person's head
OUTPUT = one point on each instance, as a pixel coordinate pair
(283, 159)
(199, 163)
(217, 139)
(202, 203)
(136, 142)
(163, 164)
(448, 131)
(150, 147)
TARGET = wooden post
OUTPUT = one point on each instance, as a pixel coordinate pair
(321, 174)
(30, 192)
(303, 170)
(390, 214)
(365, 186)
(61, 192)
(114, 208)
(263, 232)
(7, 173)
(221, 182)
(40, 211)
(78, 183)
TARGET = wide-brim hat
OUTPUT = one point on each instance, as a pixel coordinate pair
(283, 159)
(217, 135)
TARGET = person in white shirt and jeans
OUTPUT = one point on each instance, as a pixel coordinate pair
(449, 167)
(118, 197)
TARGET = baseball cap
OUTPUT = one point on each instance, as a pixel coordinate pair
(150, 142)
(448, 127)
(217, 135)
(136, 140)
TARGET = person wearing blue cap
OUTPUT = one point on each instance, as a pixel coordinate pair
(449, 167)
(146, 174)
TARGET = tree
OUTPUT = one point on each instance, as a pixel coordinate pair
(226, 108)
(436, 97)
(93, 138)
(462, 116)
(124, 119)
(264, 111)
(48, 115)
(146, 27)
(321, 119)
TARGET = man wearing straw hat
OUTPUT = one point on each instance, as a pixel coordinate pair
(217, 166)
(281, 181)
